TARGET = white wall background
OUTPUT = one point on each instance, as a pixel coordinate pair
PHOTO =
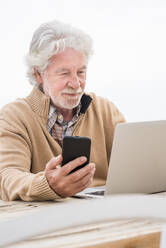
(129, 63)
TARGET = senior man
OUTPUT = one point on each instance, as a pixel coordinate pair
(32, 128)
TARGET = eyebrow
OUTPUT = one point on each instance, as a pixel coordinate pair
(83, 67)
(66, 69)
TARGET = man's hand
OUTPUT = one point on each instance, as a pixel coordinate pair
(65, 184)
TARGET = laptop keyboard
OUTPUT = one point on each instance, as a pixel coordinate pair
(98, 192)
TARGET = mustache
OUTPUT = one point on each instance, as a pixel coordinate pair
(71, 91)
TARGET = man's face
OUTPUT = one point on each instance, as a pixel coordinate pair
(64, 79)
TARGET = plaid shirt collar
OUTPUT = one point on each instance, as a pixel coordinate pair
(55, 116)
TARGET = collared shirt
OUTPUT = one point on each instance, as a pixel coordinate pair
(57, 127)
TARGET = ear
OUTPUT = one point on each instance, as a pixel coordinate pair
(38, 76)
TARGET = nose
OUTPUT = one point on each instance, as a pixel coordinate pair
(74, 82)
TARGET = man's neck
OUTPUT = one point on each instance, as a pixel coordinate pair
(67, 114)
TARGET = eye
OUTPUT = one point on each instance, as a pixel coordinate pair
(81, 72)
(64, 73)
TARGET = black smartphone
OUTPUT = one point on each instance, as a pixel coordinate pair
(74, 147)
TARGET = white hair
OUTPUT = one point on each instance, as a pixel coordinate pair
(52, 38)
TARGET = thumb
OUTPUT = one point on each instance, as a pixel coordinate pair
(54, 162)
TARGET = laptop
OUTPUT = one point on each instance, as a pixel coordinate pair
(137, 162)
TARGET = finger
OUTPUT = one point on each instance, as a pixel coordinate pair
(67, 168)
(87, 170)
(54, 162)
(86, 182)
(89, 183)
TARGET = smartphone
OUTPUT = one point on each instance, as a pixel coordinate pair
(74, 147)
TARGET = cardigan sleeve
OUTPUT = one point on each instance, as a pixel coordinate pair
(16, 180)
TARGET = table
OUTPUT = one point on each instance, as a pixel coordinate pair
(116, 233)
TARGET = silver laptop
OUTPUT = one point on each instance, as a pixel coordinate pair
(138, 160)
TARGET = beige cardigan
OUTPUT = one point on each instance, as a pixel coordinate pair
(26, 145)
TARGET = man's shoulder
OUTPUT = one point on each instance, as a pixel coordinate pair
(15, 109)
(106, 108)
(100, 100)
